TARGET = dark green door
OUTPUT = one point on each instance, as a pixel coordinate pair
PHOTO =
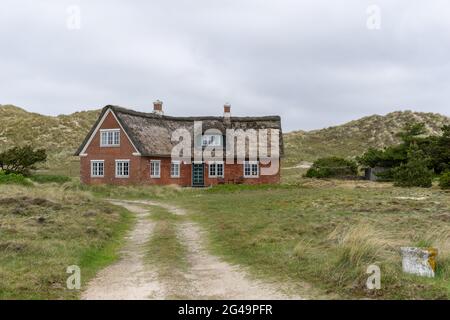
(197, 175)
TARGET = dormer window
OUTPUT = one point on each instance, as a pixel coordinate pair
(211, 140)
(110, 138)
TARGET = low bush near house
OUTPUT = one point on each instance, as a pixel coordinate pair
(332, 167)
(13, 178)
(444, 181)
(41, 178)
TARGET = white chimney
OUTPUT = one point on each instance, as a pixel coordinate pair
(157, 107)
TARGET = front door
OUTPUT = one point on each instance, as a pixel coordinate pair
(198, 175)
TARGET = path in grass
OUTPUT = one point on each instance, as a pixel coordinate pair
(129, 278)
(204, 276)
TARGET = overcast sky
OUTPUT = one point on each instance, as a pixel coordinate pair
(316, 63)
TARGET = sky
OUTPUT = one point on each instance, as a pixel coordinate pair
(315, 63)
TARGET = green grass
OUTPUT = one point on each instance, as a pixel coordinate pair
(44, 230)
(13, 178)
(327, 234)
(165, 251)
(164, 248)
(44, 178)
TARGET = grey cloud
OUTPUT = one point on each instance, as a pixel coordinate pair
(313, 62)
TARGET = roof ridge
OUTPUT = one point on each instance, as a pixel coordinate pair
(156, 116)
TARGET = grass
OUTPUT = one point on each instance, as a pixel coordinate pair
(322, 232)
(327, 233)
(45, 229)
(13, 178)
(164, 250)
(44, 178)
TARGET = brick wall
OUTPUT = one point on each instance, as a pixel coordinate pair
(140, 166)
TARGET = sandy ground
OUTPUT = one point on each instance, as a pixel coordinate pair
(128, 278)
(207, 277)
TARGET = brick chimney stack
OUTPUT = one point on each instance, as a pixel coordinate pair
(227, 110)
(157, 107)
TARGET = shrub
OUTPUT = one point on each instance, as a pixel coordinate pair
(332, 167)
(41, 178)
(13, 178)
(21, 159)
(415, 173)
(444, 181)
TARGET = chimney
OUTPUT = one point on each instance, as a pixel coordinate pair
(157, 107)
(227, 110)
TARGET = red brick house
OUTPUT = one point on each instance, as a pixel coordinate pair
(128, 147)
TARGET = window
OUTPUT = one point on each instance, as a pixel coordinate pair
(97, 168)
(215, 169)
(212, 140)
(110, 138)
(122, 168)
(251, 169)
(155, 168)
(175, 169)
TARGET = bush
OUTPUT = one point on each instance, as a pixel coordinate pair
(444, 181)
(332, 167)
(415, 173)
(21, 160)
(13, 178)
(41, 178)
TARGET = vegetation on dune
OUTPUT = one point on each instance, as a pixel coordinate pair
(332, 167)
(43, 178)
(44, 229)
(355, 137)
(328, 234)
(413, 162)
(444, 181)
(21, 160)
(60, 135)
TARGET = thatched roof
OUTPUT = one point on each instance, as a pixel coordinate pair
(151, 133)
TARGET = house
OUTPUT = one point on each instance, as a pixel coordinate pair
(129, 147)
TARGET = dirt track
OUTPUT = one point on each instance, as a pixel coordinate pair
(208, 277)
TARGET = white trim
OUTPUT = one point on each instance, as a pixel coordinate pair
(216, 163)
(159, 170)
(115, 168)
(98, 127)
(178, 162)
(250, 163)
(114, 145)
(92, 169)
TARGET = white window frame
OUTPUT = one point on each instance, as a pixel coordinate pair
(116, 168)
(251, 163)
(159, 168)
(110, 131)
(215, 175)
(206, 140)
(92, 168)
(178, 163)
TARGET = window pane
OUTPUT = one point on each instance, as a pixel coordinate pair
(220, 169)
(254, 169)
(212, 169)
(246, 169)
